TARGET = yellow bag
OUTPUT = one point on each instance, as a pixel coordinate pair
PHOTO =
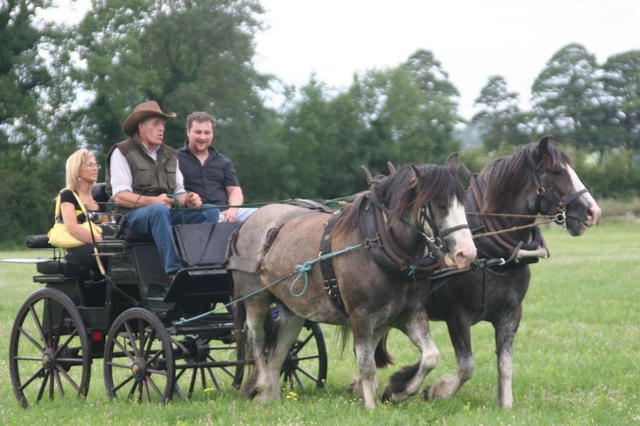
(60, 237)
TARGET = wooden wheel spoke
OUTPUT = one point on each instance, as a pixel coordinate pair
(38, 324)
(55, 341)
(32, 377)
(31, 339)
(123, 347)
(58, 382)
(69, 379)
(149, 381)
(70, 337)
(131, 339)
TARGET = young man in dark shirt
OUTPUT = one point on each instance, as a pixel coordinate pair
(209, 173)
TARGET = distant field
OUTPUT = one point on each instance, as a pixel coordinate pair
(577, 357)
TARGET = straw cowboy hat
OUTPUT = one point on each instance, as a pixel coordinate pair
(141, 113)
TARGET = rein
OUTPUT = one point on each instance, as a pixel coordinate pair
(384, 248)
(559, 218)
(548, 219)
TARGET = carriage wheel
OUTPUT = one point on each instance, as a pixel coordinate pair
(49, 354)
(306, 363)
(206, 365)
(210, 362)
(138, 359)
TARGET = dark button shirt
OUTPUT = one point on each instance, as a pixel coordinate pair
(210, 179)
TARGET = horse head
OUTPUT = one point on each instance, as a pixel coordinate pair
(539, 179)
(559, 190)
(433, 202)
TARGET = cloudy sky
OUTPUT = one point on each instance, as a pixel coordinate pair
(472, 39)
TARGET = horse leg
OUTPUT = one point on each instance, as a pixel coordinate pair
(408, 380)
(364, 349)
(289, 326)
(257, 308)
(506, 329)
(448, 385)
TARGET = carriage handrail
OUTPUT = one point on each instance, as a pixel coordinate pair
(326, 201)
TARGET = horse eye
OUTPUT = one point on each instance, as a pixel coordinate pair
(556, 171)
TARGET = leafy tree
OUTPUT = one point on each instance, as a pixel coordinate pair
(187, 55)
(410, 111)
(32, 122)
(320, 136)
(20, 75)
(500, 119)
(621, 81)
(567, 96)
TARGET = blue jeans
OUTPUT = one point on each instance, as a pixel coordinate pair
(156, 220)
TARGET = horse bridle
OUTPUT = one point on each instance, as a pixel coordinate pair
(561, 203)
(437, 239)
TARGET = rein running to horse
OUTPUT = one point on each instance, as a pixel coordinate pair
(391, 256)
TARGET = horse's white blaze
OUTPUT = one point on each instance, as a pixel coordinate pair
(464, 251)
(579, 186)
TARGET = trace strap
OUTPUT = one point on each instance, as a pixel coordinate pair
(326, 266)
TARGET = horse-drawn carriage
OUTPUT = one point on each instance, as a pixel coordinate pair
(396, 235)
(156, 340)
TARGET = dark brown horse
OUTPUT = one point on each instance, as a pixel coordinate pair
(381, 244)
(508, 194)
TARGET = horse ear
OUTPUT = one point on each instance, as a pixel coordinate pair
(416, 171)
(367, 174)
(452, 162)
(544, 145)
(392, 168)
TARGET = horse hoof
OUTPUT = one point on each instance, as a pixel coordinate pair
(425, 393)
(386, 395)
(250, 393)
(355, 388)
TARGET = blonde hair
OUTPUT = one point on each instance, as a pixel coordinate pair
(75, 162)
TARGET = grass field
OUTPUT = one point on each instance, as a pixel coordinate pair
(577, 357)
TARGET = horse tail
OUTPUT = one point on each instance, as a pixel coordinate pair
(381, 355)
(345, 332)
(239, 319)
(270, 332)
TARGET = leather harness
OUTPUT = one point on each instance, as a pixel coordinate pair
(504, 246)
(326, 266)
(383, 249)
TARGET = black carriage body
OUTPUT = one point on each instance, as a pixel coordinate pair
(80, 316)
(135, 269)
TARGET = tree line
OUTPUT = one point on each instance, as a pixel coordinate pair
(69, 86)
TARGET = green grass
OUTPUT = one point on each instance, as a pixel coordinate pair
(577, 357)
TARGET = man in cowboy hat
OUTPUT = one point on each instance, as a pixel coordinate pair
(144, 180)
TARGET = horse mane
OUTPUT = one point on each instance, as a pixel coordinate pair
(505, 176)
(409, 187)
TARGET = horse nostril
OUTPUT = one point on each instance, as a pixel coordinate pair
(462, 257)
(593, 214)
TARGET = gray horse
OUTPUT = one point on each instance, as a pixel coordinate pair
(374, 253)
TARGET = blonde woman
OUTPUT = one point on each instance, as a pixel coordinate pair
(82, 173)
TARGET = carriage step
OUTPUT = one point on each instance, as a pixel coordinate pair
(49, 278)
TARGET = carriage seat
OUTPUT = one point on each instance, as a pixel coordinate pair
(57, 265)
(38, 241)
